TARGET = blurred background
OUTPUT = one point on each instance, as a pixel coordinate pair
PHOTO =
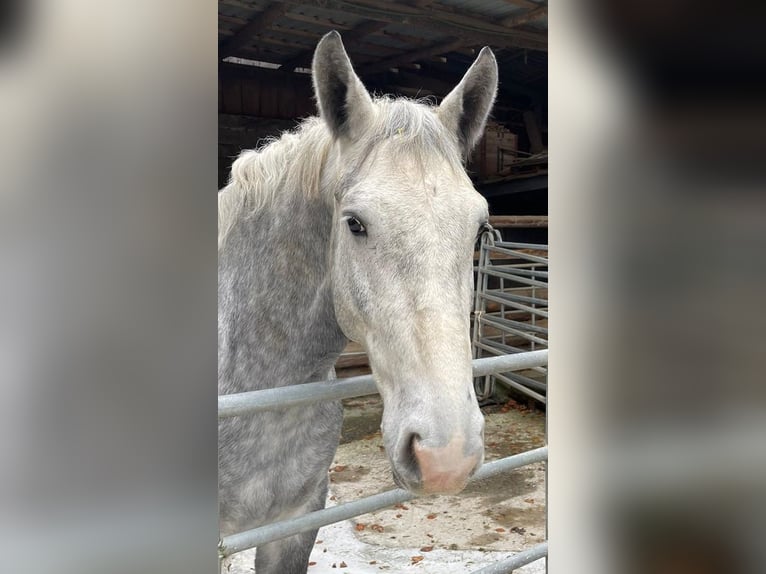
(658, 230)
(107, 328)
(110, 164)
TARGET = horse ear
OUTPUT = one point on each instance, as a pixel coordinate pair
(465, 109)
(343, 101)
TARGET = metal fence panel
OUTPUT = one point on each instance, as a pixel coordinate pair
(509, 308)
(516, 561)
(270, 532)
(298, 395)
(241, 404)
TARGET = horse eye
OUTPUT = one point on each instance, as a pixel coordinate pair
(355, 226)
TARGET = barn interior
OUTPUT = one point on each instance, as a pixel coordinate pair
(416, 49)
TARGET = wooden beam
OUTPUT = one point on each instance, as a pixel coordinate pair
(232, 20)
(236, 4)
(245, 35)
(523, 221)
(530, 16)
(328, 23)
(414, 55)
(436, 17)
(522, 3)
(455, 22)
(351, 39)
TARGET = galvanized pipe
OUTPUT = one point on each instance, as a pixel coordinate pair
(298, 395)
(511, 325)
(527, 382)
(521, 388)
(516, 305)
(516, 561)
(250, 538)
(496, 271)
(517, 245)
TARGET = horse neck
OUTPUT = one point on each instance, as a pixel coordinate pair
(277, 322)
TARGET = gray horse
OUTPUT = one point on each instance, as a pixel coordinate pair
(359, 225)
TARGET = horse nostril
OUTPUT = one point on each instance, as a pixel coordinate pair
(409, 459)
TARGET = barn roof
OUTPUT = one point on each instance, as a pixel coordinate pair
(438, 39)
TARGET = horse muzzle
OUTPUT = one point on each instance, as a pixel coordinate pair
(424, 469)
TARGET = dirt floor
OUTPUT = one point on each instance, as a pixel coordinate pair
(489, 521)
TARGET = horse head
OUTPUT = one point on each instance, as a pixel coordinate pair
(405, 225)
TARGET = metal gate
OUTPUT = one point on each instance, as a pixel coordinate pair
(511, 311)
(247, 404)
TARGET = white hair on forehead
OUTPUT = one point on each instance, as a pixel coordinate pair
(293, 162)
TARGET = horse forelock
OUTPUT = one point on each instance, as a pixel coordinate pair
(293, 163)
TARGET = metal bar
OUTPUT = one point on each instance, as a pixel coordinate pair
(270, 532)
(525, 333)
(514, 271)
(516, 561)
(512, 289)
(538, 302)
(516, 306)
(521, 388)
(486, 389)
(495, 271)
(526, 381)
(534, 317)
(497, 348)
(516, 263)
(497, 248)
(293, 396)
(512, 324)
(299, 395)
(516, 245)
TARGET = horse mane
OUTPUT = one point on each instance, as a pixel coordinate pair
(294, 161)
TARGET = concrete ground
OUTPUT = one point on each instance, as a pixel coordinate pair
(489, 521)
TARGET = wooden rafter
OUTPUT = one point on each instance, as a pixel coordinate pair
(443, 47)
(531, 16)
(454, 30)
(245, 35)
(436, 17)
(522, 3)
(351, 39)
